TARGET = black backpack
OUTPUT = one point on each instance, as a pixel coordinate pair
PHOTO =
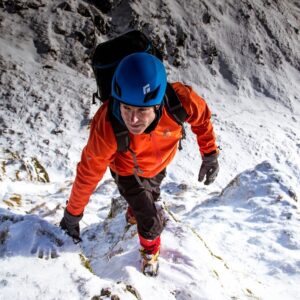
(105, 60)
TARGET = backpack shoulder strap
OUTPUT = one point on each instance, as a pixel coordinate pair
(122, 137)
(121, 132)
(174, 105)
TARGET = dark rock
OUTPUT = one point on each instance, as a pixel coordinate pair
(58, 29)
(254, 47)
(4, 234)
(101, 24)
(104, 5)
(36, 4)
(267, 3)
(84, 11)
(209, 52)
(243, 15)
(11, 108)
(56, 131)
(293, 195)
(206, 18)
(73, 62)
(47, 67)
(89, 31)
(41, 46)
(105, 292)
(79, 36)
(177, 62)
(96, 298)
(249, 6)
(46, 107)
(133, 291)
(64, 6)
(181, 38)
(159, 45)
(13, 7)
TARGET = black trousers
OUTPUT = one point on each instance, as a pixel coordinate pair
(141, 195)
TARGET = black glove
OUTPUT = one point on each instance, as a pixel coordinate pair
(70, 224)
(209, 168)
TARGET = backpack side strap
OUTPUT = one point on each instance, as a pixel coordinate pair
(176, 110)
(123, 140)
(174, 105)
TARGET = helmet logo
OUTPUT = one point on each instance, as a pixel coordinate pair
(146, 89)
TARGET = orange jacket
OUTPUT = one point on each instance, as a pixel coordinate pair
(154, 151)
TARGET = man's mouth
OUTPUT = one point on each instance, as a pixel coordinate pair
(136, 125)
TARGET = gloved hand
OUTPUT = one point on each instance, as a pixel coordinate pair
(70, 224)
(209, 168)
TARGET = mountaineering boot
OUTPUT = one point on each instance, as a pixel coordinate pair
(150, 264)
(149, 253)
(130, 218)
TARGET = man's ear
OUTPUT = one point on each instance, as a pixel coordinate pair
(156, 107)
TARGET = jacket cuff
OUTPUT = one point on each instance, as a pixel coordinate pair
(212, 153)
(71, 219)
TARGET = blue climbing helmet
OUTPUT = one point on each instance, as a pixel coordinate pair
(139, 80)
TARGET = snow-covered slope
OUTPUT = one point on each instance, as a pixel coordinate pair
(241, 243)
(236, 239)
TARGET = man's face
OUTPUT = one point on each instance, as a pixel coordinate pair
(137, 119)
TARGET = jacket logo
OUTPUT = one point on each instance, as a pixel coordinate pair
(146, 89)
(167, 132)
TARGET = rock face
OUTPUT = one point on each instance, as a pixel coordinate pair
(202, 32)
(242, 49)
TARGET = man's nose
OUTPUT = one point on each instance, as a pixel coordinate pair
(134, 117)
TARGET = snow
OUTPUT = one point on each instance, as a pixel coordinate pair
(238, 238)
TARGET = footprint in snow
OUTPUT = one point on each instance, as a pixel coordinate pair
(173, 188)
(30, 235)
(46, 244)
